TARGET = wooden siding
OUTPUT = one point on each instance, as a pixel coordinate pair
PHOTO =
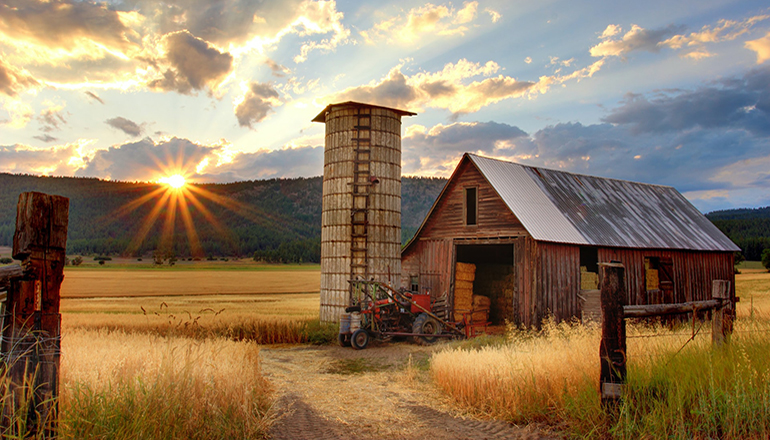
(494, 219)
(557, 282)
(433, 262)
(693, 272)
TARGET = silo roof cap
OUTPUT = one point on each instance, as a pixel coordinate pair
(322, 116)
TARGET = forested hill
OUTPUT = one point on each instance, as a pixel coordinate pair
(278, 219)
(749, 229)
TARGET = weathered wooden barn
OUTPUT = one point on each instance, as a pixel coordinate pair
(536, 237)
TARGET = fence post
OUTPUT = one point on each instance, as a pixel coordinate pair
(720, 289)
(612, 350)
(31, 341)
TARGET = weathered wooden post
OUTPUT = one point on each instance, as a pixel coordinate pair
(612, 350)
(720, 290)
(31, 337)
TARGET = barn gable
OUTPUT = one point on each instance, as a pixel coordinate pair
(561, 207)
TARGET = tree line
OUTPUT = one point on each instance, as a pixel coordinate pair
(275, 220)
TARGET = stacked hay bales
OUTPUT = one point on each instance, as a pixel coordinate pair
(588, 280)
(497, 282)
(465, 274)
(480, 309)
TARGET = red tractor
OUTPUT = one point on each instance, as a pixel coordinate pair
(381, 312)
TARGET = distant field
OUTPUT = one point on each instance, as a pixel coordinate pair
(270, 305)
(97, 282)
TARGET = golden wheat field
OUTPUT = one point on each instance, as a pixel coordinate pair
(89, 283)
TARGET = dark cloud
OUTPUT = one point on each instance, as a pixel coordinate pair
(45, 138)
(195, 64)
(94, 96)
(51, 119)
(127, 126)
(437, 148)
(288, 162)
(12, 80)
(256, 105)
(734, 103)
(146, 160)
(278, 70)
(63, 24)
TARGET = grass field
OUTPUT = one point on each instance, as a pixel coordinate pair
(102, 283)
(676, 388)
(257, 305)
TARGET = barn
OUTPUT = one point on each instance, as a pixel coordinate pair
(536, 237)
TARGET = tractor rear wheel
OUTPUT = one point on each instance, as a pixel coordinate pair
(427, 325)
(360, 339)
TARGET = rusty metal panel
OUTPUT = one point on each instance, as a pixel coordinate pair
(562, 207)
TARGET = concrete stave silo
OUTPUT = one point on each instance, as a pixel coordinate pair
(361, 214)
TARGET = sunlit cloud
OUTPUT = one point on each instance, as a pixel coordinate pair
(493, 15)
(56, 160)
(320, 18)
(14, 80)
(762, 47)
(51, 32)
(429, 19)
(672, 37)
(453, 88)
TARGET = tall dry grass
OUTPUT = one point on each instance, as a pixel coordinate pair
(552, 377)
(127, 386)
(676, 388)
(265, 319)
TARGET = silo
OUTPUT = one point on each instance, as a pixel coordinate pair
(361, 214)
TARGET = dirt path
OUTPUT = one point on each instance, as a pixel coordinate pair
(377, 393)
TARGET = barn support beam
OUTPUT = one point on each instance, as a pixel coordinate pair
(31, 341)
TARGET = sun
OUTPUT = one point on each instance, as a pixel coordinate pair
(176, 181)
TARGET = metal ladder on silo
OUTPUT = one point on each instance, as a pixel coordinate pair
(359, 213)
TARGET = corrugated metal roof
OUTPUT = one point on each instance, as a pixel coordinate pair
(563, 207)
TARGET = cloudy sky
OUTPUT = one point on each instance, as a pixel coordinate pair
(667, 92)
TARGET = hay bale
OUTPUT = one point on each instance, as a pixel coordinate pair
(465, 267)
(589, 281)
(480, 316)
(463, 285)
(481, 302)
(653, 282)
(465, 271)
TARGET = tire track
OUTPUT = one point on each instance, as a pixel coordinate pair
(385, 400)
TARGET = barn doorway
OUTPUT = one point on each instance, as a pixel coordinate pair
(494, 277)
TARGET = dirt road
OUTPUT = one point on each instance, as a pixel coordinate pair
(382, 392)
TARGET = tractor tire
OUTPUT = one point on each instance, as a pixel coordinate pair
(343, 339)
(360, 339)
(427, 325)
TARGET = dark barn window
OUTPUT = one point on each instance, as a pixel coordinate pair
(471, 206)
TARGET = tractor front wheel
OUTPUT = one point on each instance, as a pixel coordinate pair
(426, 325)
(360, 339)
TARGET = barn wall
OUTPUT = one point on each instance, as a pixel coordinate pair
(432, 261)
(557, 282)
(693, 272)
(494, 217)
